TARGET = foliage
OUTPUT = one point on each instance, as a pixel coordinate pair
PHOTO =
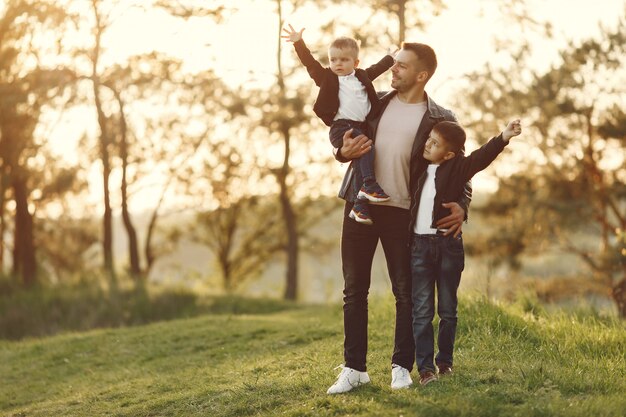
(86, 304)
(280, 363)
(571, 175)
(29, 28)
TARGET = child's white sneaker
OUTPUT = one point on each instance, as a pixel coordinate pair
(400, 377)
(347, 380)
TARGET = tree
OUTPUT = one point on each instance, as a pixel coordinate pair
(25, 89)
(101, 22)
(416, 13)
(572, 180)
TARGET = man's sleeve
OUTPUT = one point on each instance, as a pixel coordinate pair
(466, 198)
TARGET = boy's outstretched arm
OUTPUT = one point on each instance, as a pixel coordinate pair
(514, 128)
(292, 35)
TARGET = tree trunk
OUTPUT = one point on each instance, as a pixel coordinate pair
(133, 247)
(289, 215)
(24, 263)
(291, 288)
(619, 296)
(148, 252)
(3, 188)
(107, 222)
(401, 21)
(291, 285)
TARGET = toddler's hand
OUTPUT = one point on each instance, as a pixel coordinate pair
(292, 35)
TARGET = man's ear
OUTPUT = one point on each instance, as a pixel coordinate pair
(422, 76)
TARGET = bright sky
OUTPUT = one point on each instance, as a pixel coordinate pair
(243, 47)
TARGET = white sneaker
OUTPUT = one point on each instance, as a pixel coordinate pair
(400, 377)
(347, 380)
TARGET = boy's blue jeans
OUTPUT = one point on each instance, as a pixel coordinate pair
(436, 261)
(363, 166)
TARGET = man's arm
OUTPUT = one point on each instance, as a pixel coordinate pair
(352, 147)
(313, 67)
(454, 221)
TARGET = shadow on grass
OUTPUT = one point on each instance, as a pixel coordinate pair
(45, 311)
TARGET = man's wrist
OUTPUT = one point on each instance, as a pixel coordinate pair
(339, 156)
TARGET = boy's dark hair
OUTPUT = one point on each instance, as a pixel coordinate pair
(345, 42)
(453, 134)
(425, 54)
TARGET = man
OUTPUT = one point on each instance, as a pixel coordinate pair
(400, 131)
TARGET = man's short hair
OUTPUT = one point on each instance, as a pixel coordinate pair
(453, 135)
(345, 42)
(425, 54)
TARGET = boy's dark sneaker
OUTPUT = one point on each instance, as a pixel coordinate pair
(373, 192)
(427, 377)
(445, 369)
(360, 213)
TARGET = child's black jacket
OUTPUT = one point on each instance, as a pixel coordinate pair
(451, 177)
(327, 102)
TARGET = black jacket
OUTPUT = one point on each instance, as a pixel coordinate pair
(327, 102)
(434, 114)
(451, 177)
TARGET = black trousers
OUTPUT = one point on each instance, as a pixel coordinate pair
(358, 244)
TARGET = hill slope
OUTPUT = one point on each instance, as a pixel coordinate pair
(507, 363)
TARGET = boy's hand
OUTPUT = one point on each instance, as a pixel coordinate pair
(514, 128)
(392, 51)
(292, 35)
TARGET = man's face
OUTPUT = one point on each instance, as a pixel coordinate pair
(406, 71)
(342, 61)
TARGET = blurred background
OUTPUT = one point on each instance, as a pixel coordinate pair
(170, 147)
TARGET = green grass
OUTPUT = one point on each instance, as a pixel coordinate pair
(280, 363)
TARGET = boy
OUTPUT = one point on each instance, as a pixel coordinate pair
(345, 100)
(438, 260)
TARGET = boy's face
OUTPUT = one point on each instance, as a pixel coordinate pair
(436, 150)
(342, 61)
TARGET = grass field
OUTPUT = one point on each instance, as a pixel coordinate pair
(280, 363)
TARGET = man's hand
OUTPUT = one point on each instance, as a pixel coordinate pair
(292, 35)
(354, 148)
(514, 128)
(454, 221)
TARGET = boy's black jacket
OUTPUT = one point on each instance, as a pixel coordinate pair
(451, 177)
(327, 102)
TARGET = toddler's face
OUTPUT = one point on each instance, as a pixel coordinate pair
(342, 61)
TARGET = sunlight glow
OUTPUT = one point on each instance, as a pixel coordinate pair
(242, 51)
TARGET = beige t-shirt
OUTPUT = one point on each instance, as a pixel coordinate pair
(394, 140)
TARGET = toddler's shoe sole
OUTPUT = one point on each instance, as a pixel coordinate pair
(372, 198)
